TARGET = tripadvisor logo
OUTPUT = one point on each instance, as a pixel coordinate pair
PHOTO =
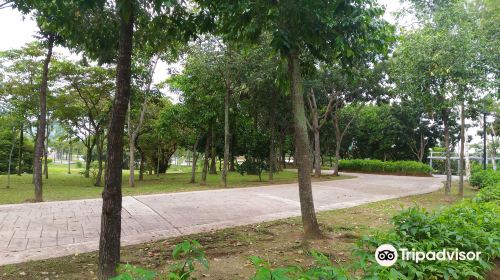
(387, 255)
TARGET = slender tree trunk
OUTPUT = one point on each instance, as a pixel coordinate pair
(337, 156)
(143, 158)
(195, 159)
(40, 136)
(223, 176)
(302, 156)
(46, 152)
(493, 153)
(10, 158)
(213, 161)
(232, 167)
(272, 128)
(467, 158)
(447, 188)
(158, 159)
(88, 159)
(20, 151)
(100, 147)
(461, 166)
(317, 151)
(109, 243)
(70, 154)
(206, 160)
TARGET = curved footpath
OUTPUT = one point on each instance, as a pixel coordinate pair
(53, 229)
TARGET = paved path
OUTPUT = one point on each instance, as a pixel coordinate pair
(51, 229)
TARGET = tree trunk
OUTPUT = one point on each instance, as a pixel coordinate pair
(70, 154)
(109, 243)
(213, 165)
(88, 158)
(223, 176)
(46, 152)
(337, 156)
(447, 188)
(272, 128)
(10, 158)
(461, 166)
(493, 154)
(317, 152)
(158, 158)
(302, 156)
(40, 136)
(206, 160)
(143, 157)
(20, 151)
(467, 158)
(100, 147)
(195, 159)
(131, 163)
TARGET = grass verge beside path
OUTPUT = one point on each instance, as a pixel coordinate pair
(63, 186)
(228, 250)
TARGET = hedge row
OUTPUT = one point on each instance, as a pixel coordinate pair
(378, 166)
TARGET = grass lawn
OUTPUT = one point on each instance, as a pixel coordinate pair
(228, 250)
(63, 186)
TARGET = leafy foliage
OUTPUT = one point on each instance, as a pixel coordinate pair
(323, 269)
(483, 178)
(399, 167)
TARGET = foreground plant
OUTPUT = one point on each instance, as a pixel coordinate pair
(187, 254)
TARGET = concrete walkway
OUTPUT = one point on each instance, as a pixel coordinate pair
(52, 229)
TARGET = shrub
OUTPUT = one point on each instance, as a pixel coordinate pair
(378, 166)
(468, 226)
(482, 178)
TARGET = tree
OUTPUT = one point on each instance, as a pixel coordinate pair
(297, 28)
(40, 132)
(86, 90)
(315, 125)
(442, 69)
(146, 88)
(20, 86)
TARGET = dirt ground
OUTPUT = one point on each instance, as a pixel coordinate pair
(228, 251)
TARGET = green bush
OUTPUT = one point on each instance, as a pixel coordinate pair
(378, 166)
(483, 178)
(471, 225)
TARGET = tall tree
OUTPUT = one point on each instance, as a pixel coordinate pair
(40, 132)
(133, 132)
(323, 29)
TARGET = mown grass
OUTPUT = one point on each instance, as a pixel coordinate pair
(63, 186)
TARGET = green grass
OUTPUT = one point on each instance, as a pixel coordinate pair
(63, 186)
